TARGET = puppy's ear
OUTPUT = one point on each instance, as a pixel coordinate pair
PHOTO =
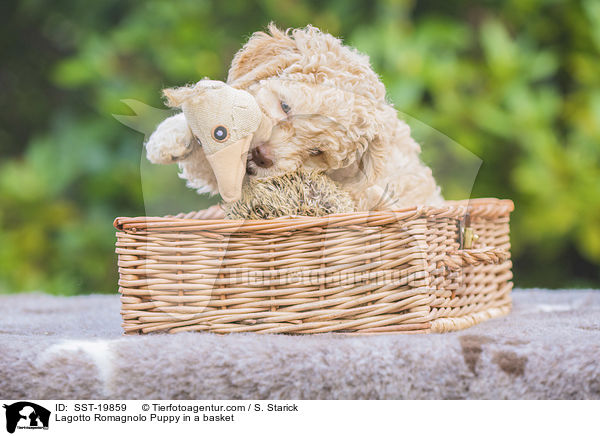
(377, 130)
(176, 96)
(263, 55)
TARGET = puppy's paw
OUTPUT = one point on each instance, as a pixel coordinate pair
(172, 141)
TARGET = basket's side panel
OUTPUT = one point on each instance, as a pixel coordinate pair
(348, 278)
(473, 293)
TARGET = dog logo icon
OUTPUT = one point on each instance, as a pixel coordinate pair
(26, 415)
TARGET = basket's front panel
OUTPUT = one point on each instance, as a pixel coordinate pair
(319, 279)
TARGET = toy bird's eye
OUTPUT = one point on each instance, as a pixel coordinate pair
(220, 133)
(285, 107)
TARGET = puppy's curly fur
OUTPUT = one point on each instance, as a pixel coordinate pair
(335, 119)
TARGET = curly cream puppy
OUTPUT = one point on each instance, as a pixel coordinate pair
(323, 107)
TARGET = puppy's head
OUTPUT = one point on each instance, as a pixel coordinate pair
(320, 102)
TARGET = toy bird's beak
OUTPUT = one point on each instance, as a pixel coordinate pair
(229, 167)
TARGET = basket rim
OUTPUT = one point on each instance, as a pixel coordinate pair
(477, 207)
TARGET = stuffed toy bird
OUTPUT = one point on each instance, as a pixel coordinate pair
(210, 140)
(222, 120)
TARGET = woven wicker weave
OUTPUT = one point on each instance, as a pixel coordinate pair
(371, 272)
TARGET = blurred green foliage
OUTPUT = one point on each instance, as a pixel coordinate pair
(517, 83)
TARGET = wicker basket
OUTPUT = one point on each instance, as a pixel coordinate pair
(409, 271)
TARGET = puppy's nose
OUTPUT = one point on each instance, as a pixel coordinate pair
(260, 158)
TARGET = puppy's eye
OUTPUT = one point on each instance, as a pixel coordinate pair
(285, 107)
(220, 133)
(315, 152)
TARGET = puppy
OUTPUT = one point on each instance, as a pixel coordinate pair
(323, 107)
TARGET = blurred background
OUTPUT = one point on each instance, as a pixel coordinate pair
(516, 83)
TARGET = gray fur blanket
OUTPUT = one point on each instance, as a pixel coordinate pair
(72, 347)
